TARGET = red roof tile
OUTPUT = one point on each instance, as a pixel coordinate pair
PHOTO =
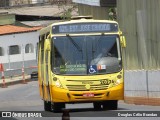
(10, 29)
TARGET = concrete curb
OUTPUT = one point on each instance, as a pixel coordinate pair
(14, 82)
(17, 81)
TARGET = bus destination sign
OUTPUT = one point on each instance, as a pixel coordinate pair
(85, 28)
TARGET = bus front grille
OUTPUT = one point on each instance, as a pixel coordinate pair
(83, 88)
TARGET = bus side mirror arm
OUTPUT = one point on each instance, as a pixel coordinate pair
(123, 41)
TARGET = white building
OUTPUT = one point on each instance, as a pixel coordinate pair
(18, 46)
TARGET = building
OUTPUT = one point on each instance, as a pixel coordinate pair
(99, 9)
(12, 3)
(18, 45)
(6, 18)
(139, 21)
(18, 42)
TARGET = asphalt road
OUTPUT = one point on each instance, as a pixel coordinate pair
(25, 97)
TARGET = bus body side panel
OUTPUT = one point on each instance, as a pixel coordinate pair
(39, 72)
(46, 71)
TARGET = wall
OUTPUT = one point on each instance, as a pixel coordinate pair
(4, 3)
(19, 2)
(7, 18)
(26, 2)
(142, 87)
(139, 21)
(96, 11)
(18, 39)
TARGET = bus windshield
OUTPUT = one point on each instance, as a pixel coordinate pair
(86, 55)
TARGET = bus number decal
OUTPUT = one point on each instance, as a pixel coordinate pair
(106, 82)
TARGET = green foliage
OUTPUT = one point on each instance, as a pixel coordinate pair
(112, 14)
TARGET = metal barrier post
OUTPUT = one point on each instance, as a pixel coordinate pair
(23, 76)
(3, 78)
(65, 115)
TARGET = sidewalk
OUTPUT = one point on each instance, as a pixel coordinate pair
(15, 80)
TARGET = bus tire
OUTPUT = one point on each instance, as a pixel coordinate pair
(110, 105)
(57, 107)
(47, 106)
(97, 105)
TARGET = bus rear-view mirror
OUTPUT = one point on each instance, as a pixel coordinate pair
(123, 41)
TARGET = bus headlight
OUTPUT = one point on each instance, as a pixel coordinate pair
(58, 84)
(118, 82)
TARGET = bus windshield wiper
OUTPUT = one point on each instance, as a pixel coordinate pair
(73, 42)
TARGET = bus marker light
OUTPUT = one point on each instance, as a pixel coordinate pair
(119, 76)
(55, 79)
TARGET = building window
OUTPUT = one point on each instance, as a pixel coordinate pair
(29, 48)
(1, 51)
(14, 49)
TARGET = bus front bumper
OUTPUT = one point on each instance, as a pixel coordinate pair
(63, 95)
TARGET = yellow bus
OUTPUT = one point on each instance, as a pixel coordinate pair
(80, 60)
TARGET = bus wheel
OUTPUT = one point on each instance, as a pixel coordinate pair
(110, 105)
(57, 107)
(97, 105)
(47, 106)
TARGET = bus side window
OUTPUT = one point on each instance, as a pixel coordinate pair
(52, 55)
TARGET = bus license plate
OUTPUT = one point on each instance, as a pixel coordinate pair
(88, 95)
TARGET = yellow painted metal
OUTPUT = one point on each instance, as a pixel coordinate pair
(59, 88)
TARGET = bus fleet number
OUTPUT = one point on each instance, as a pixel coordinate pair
(106, 82)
